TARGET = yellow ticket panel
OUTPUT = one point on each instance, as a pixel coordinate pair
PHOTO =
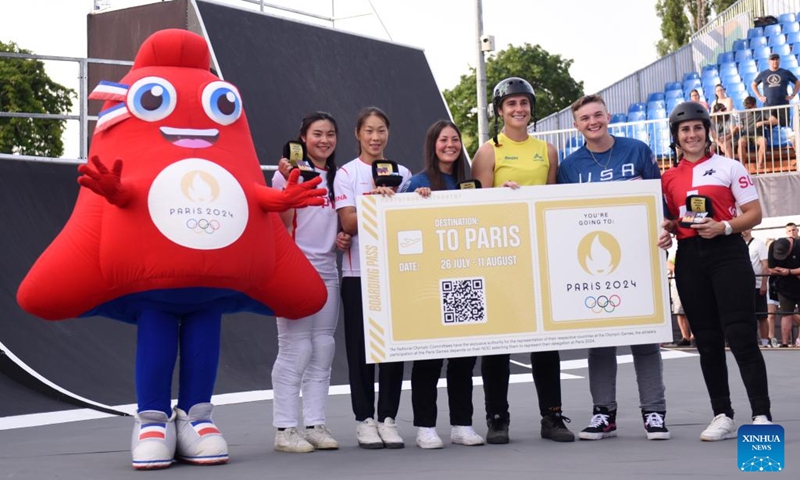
(477, 272)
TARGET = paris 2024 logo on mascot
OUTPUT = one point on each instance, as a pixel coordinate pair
(174, 226)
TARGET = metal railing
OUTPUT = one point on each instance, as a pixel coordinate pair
(82, 116)
(774, 145)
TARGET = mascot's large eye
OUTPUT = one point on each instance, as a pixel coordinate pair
(222, 102)
(151, 99)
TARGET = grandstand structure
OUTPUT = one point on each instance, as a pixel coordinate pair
(729, 51)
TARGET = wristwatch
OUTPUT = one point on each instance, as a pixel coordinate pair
(728, 228)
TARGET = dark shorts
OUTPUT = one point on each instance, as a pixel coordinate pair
(761, 305)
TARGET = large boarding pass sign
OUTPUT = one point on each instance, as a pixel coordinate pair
(477, 272)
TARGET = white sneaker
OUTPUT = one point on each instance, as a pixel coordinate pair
(321, 438)
(465, 435)
(199, 440)
(290, 440)
(367, 435)
(153, 440)
(427, 438)
(721, 428)
(387, 429)
(761, 420)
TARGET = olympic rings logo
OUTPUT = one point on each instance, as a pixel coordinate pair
(603, 303)
(202, 225)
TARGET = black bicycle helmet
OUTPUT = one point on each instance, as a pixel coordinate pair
(506, 88)
(689, 111)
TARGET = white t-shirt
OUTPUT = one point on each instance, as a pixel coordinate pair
(758, 252)
(354, 179)
(314, 231)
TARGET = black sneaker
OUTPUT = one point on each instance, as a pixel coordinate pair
(684, 342)
(655, 425)
(498, 430)
(602, 425)
(553, 428)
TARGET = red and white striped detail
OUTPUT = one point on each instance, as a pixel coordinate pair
(115, 92)
(112, 116)
(205, 427)
(153, 430)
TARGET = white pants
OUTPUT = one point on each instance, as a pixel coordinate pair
(305, 355)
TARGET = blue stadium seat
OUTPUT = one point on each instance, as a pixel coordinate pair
(726, 69)
(793, 38)
(747, 80)
(777, 39)
(742, 55)
(673, 102)
(690, 76)
(693, 83)
(772, 30)
(638, 114)
(748, 68)
(673, 94)
(618, 118)
(790, 27)
(787, 17)
(780, 136)
(763, 64)
(755, 32)
(757, 42)
(728, 80)
(656, 105)
(636, 107)
(761, 52)
(783, 49)
(735, 87)
(796, 71)
(788, 61)
(711, 85)
(659, 139)
(656, 113)
(796, 48)
(655, 96)
(726, 57)
(672, 86)
(709, 70)
(740, 44)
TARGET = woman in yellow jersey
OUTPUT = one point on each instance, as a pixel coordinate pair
(514, 159)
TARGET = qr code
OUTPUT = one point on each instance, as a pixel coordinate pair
(463, 301)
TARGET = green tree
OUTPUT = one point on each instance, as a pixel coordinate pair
(548, 74)
(681, 18)
(25, 87)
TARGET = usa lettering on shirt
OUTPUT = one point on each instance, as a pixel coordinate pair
(627, 172)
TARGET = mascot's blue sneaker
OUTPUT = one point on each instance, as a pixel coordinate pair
(153, 440)
(199, 440)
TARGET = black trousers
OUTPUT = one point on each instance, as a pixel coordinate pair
(361, 374)
(546, 369)
(715, 282)
(425, 376)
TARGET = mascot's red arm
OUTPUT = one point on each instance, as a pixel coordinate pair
(295, 195)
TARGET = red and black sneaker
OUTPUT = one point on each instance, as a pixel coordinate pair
(602, 425)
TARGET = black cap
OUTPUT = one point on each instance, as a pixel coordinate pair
(780, 249)
(774, 56)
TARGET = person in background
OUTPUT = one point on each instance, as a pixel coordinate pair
(776, 82)
(784, 263)
(445, 166)
(724, 128)
(758, 259)
(694, 96)
(354, 179)
(306, 346)
(687, 339)
(513, 158)
(712, 269)
(721, 98)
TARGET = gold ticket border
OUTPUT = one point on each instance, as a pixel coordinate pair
(544, 206)
(369, 227)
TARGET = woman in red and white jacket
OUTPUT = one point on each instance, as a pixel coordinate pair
(712, 267)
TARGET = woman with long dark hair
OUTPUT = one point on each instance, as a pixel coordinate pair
(445, 166)
(306, 346)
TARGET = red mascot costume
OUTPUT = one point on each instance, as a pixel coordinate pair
(185, 232)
